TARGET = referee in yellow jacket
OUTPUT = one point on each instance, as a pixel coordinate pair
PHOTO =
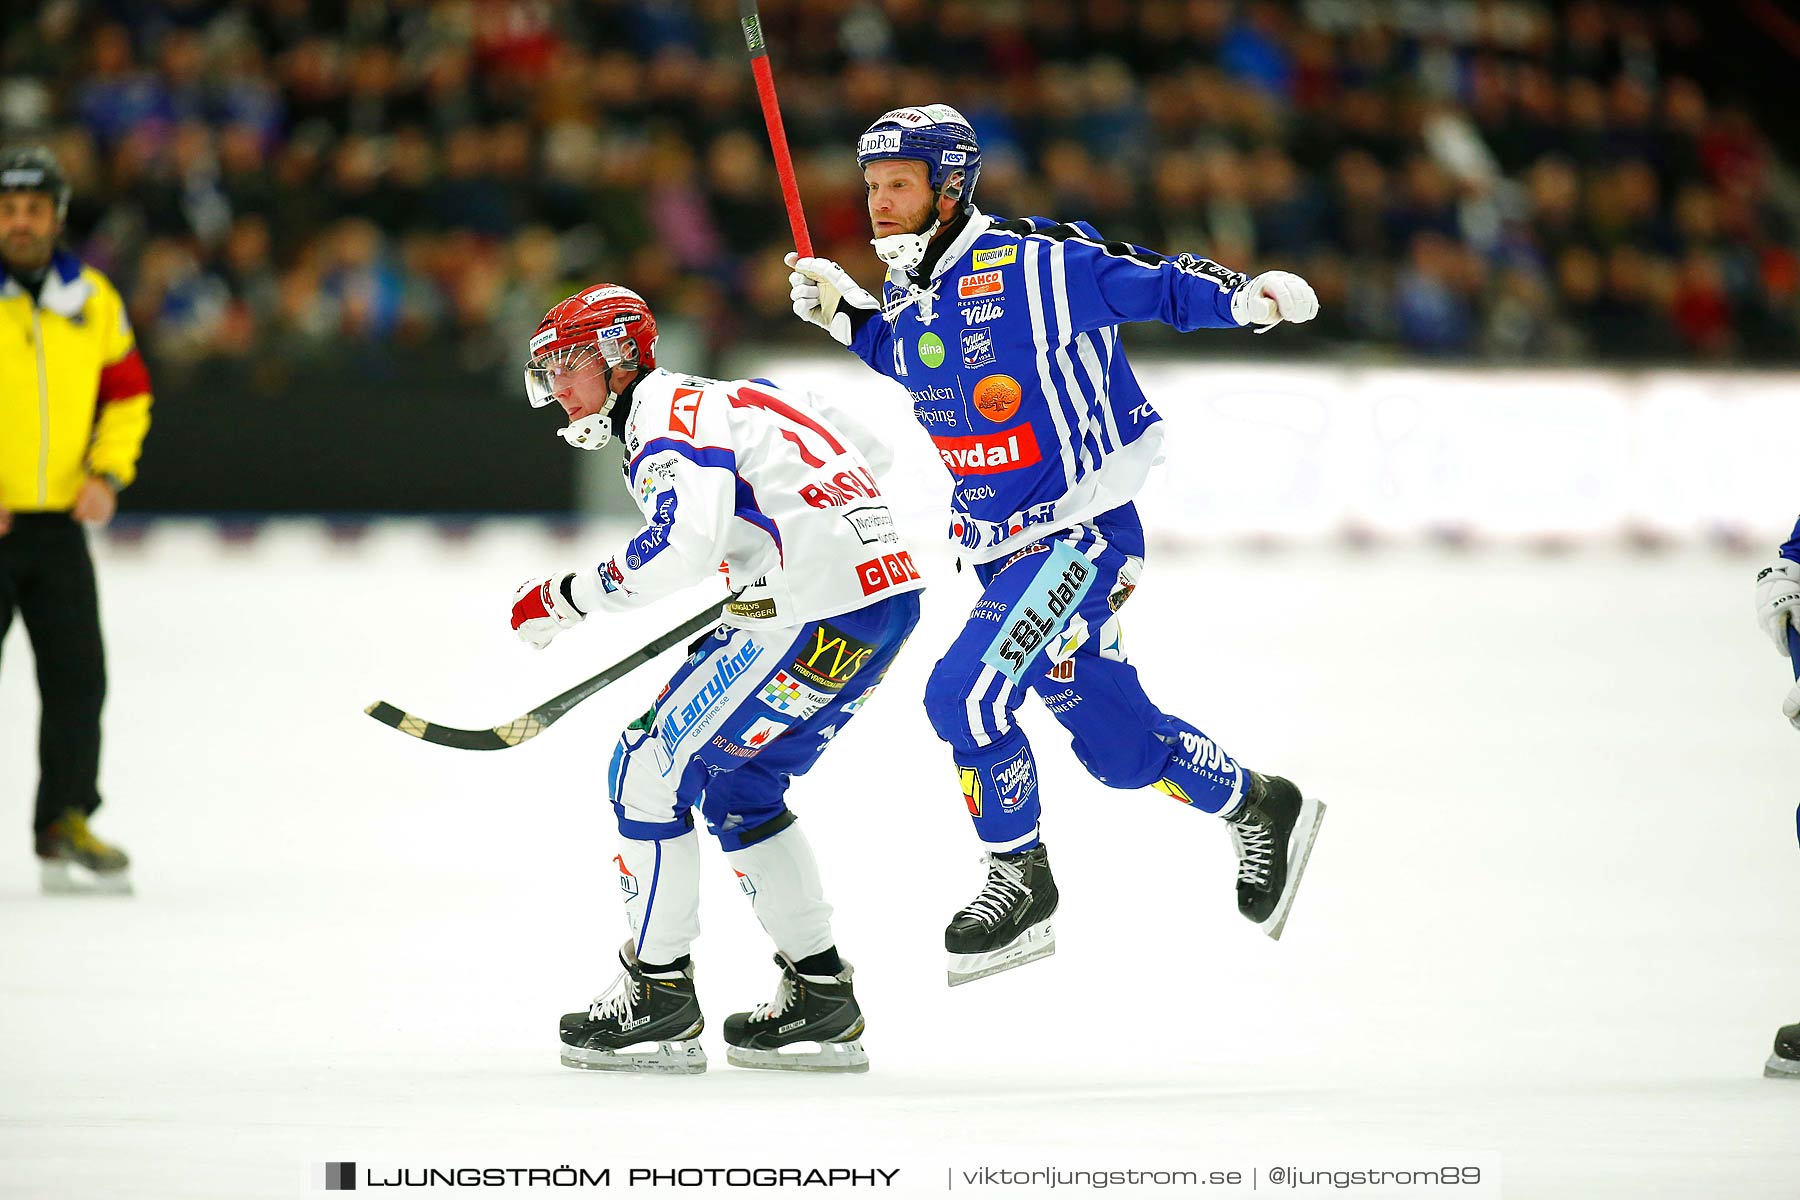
(74, 408)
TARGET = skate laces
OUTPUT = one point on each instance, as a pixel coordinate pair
(784, 996)
(1255, 843)
(1005, 886)
(617, 1002)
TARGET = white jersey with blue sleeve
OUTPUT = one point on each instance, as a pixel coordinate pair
(744, 477)
(1011, 354)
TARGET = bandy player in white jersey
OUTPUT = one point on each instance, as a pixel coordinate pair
(775, 490)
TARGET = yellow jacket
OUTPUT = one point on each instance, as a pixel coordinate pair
(74, 394)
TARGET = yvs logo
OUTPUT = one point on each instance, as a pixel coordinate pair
(831, 658)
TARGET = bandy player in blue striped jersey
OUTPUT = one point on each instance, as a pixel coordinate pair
(1778, 612)
(1006, 332)
(777, 491)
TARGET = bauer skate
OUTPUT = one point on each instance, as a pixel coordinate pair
(1785, 1062)
(642, 1023)
(1273, 834)
(813, 1024)
(72, 861)
(1008, 924)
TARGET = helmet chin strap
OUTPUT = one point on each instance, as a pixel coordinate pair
(905, 251)
(593, 431)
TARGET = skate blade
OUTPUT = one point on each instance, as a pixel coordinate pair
(63, 878)
(668, 1058)
(843, 1057)
(1312, 814)
(1781, 1068)
(1039, 941)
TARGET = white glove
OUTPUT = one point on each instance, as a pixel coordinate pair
(541, 610)
(1790, 707)
(821, 290)
(1274, 297)
(1778, 600)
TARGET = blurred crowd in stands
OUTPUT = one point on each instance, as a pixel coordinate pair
(1507, 181)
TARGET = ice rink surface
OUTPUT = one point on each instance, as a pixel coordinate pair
(1549, 927)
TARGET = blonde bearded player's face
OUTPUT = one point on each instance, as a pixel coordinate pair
(900, 199)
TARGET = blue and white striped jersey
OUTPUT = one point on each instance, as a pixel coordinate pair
(1011, 352)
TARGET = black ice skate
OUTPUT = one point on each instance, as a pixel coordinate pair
(1008, 924)
(813, 1024)
(1273, 834)
(642, 1023)
(1785, 1062)
(72, 861)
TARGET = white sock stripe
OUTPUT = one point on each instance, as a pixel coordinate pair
(1013, 844)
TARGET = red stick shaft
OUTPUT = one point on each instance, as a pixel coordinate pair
(771, 110)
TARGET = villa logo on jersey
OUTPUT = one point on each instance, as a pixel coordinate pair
(702, 709)
(683, 409)
(981, 283)
(981, 311)
(991, 453)
(830, 658)
(628, 883)
(994, 256)
(997, 397)
(971, 789)
(1016, 780)
(879, 574)
(977, 347)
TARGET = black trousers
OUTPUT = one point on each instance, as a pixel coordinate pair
(47, 577)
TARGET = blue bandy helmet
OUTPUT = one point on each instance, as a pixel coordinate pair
(936, 135)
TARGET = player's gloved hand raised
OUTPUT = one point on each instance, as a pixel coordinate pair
(542, 609)
(823, 293)
(1273, 297)
(1778, 601)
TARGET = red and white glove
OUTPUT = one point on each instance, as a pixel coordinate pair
(542, 609)
(1274, 297)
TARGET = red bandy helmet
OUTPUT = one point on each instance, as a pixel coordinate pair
(575, 349)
